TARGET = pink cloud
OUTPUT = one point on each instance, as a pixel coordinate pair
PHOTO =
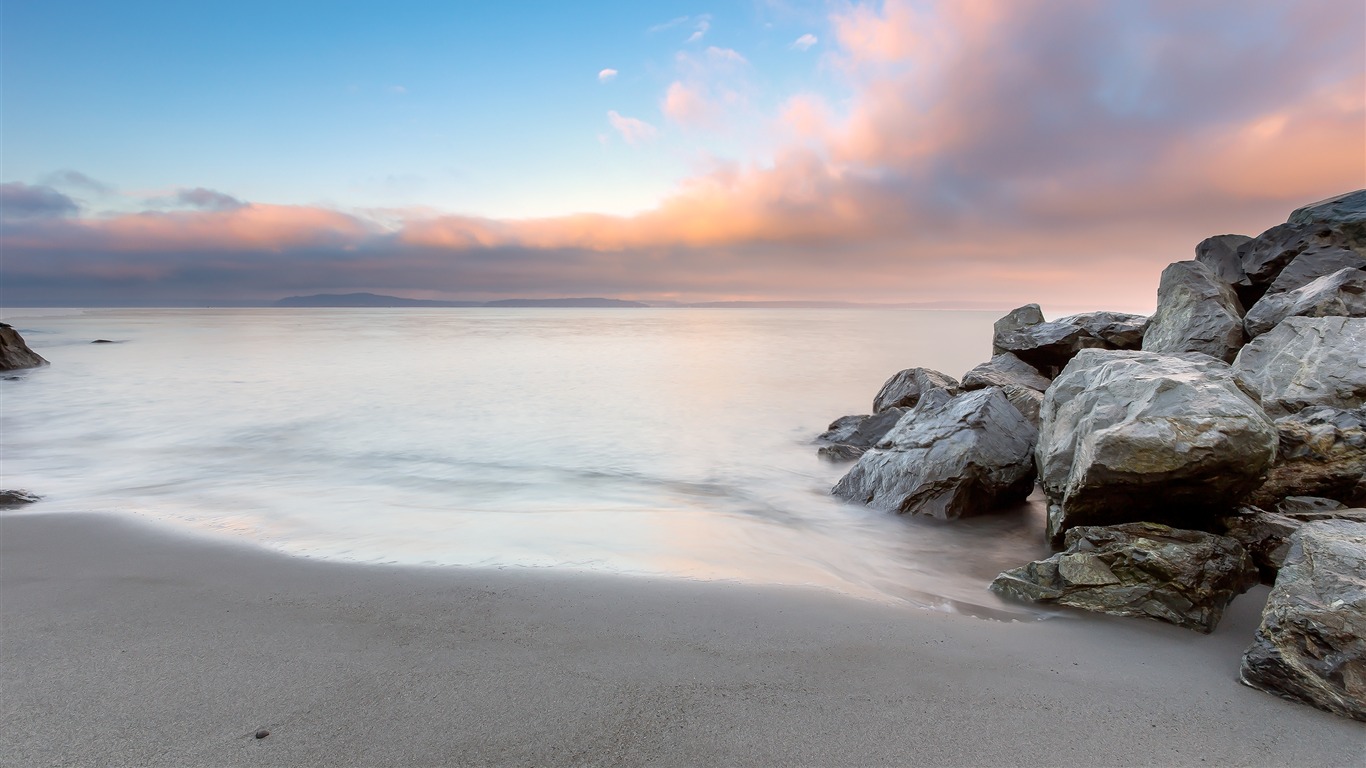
(633, 130)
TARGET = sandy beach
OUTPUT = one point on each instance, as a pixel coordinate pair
(126, 644)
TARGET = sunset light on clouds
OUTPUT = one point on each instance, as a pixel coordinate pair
(987, 152)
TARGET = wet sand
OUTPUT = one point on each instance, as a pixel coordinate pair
(124, 644)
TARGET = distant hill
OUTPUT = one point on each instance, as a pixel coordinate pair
(378, 300)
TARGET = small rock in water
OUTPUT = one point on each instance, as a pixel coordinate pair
(261, 734)
(102, 341)
(14, 498)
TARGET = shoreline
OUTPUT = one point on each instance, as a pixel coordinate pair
(124, 644)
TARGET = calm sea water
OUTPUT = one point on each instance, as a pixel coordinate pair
(662, 442)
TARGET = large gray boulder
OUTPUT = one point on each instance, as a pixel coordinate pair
(949, 458)
(1311, 645)
(1321, 452)
(1015, 320)
(1196, 312)
(1266, 535)
(1186, 578)
(1306, 361)
(1022, 384)
(1345, 214)
(1132, 436)
(1220, 254)
(14, 353)
(849, 436)
(1340, 294)
(1312, 264)
(1048, 346)
(905, 388)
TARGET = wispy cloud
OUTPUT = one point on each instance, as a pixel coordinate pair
(633, 130)
(607, 75)
(208, 200)
(77, 180)
(399, 89)
(725, 55)
(670, 24)
(804, 42)
(699, 29)
(22, 201)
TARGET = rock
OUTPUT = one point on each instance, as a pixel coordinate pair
(1186, 578)
(849, 436)
(1309, 507)
(1048, 346)
(1133, 436)
(103, 341)
(949, 458)
(1029, 402)
(1340, 294)
(1016, 320)
(906, 388)
(1344, 214)
(1265, 536)
(1196, 312)
(262, 733)
(14, 353)
(1321, 452)
(15, 498)
(1220, 254)
(1311, 645)
(1312, 264)
(1003, 370)
(1306, 361)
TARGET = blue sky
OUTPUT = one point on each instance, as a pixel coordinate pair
(990, 152)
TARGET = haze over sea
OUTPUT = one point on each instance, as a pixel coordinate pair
(664, 442)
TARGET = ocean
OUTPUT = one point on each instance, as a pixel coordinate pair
(661, 442)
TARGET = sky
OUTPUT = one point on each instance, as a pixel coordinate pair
(969, 153)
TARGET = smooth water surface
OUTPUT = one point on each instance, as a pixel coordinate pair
(656, 441)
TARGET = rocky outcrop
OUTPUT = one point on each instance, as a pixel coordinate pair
(1021, 382)
(1321, 451)
(1344, 214)
(1049, 346)
(1340, 294)
(1311, 645)
(1196, 312)
(1183, 577)
(14, 353)
(1134, 436)
(1313, 264)
(1220, 254)
(849, 436)
(1015, 321)
(950, 458)
(1266, 535)
(1306, 361)
(906, 388)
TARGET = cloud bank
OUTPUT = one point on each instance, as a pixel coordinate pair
(999, 151)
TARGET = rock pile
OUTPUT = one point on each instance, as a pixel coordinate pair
(1180, 455)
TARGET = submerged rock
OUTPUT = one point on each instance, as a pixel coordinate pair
(1196, 312)
(849, 436)
(14, 353)
(17, 498)
(1311, 645)
(1186, 578)
(1134, 436)
(906, 388)
(1306, 361)
(1321, 452)
(950, 458)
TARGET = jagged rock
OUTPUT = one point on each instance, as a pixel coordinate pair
(1015, 320)
(1345, 214)
(1131, 436)
(1029, 402)
(1306, 361)
(849, 436)
(906, 388)
(950, 458)
(1266, 535)
(15, 498)
(1321, 452)
(1196, 312)
(1312, 264)
(1220, 254)
(1002, 370)
(1341, 294)
(1183, 577)
(1048, 346)
(1311, 645)
(1309, 507)
(14, 353)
